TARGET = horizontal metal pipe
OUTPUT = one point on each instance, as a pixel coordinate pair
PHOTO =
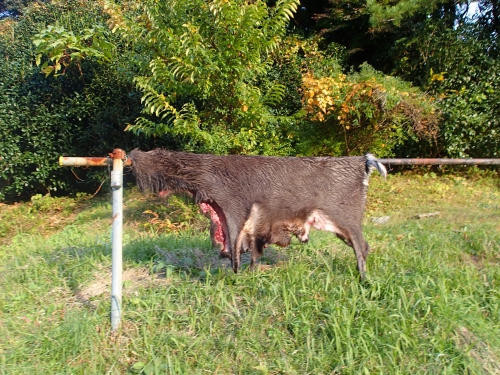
(89, 161)
(419, 161)
(105, 161)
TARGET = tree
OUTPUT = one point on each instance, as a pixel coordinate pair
(17, 7)
(465, 79)
(207, 74)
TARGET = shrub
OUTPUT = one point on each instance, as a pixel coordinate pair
(82, 112)
(365, 111)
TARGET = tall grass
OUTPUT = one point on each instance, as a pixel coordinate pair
(431, 304)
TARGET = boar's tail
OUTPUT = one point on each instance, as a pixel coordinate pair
(372, 163)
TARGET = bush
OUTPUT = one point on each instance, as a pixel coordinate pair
(362, 112)
(464, 77)
(82, 112)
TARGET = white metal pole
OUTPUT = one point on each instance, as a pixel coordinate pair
(116, 254)
(118, 158)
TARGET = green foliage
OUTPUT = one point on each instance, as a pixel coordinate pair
(407, 38)
(225, 77)
(208, 78)
(82, 112)
(395, 12)
(64, 47)
(465, 78)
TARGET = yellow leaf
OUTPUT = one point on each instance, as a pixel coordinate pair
(438, 76)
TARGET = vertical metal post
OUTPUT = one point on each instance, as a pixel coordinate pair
(118, 159)
(116, 254)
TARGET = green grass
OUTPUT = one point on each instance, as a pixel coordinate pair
(431, 304)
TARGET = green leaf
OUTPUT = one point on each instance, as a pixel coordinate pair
(137, 367)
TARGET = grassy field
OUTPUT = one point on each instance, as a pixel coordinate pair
(431, 304)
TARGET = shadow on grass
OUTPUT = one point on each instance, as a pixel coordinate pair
(192, 255)
(148, 262)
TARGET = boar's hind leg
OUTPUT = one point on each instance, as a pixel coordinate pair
(361, 248)
(354, 239)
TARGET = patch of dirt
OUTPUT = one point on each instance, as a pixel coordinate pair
(480, 261)
(132, 279)
(478, 350)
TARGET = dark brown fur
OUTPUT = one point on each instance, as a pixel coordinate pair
(330, 192)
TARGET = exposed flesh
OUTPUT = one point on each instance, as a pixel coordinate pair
(219, 235)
